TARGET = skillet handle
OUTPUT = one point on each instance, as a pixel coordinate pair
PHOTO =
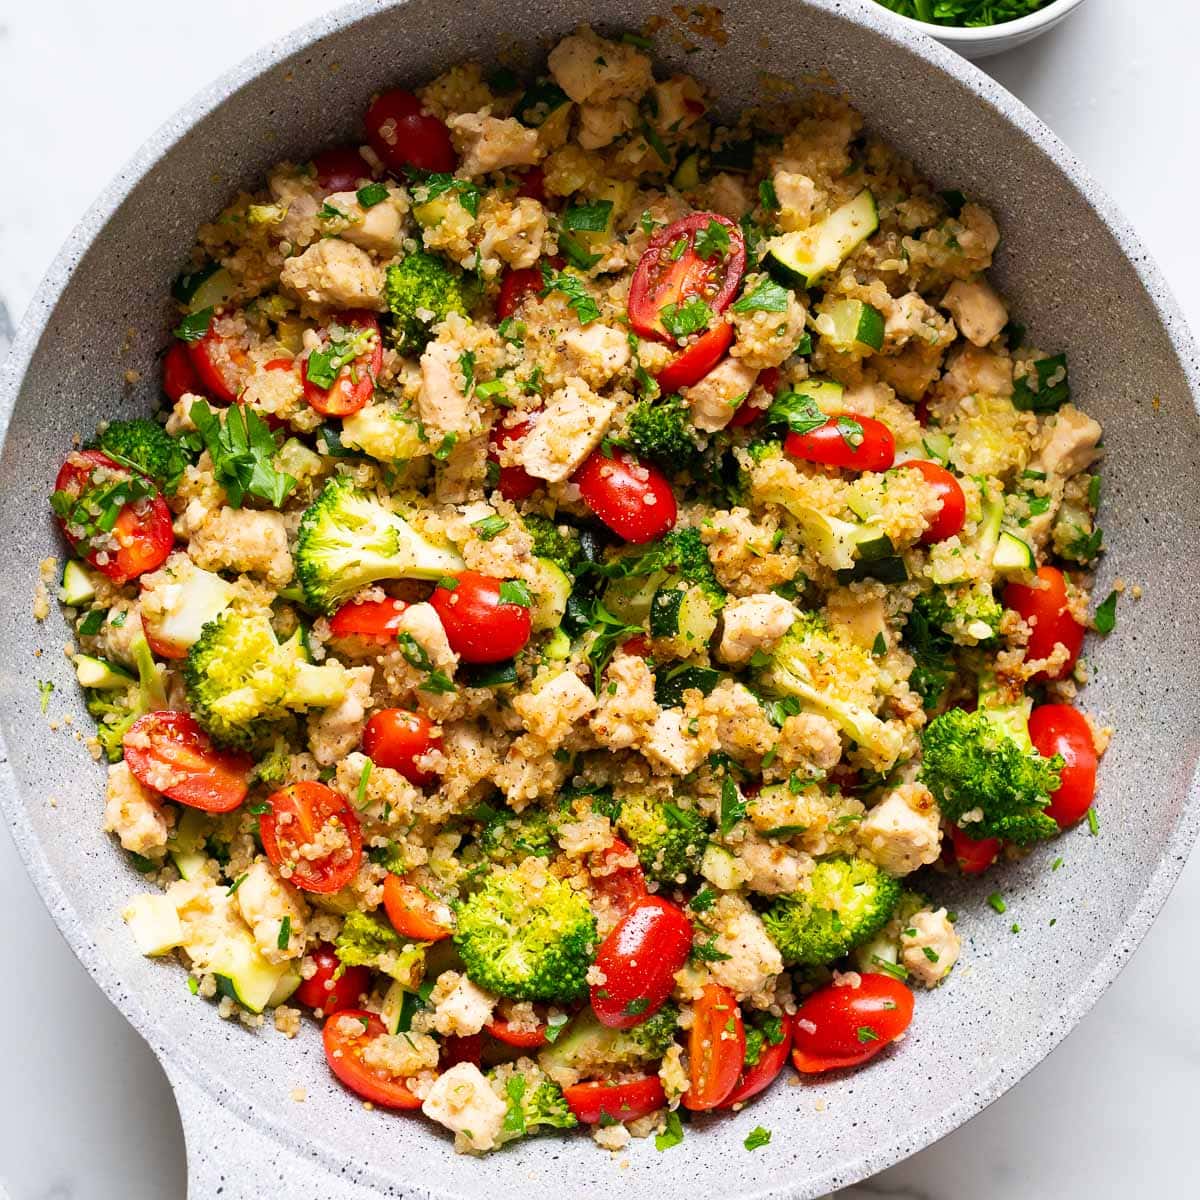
(231, 1160)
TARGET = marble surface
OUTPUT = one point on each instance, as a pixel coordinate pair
(85, 1112)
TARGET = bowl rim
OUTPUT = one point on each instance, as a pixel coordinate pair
(203, 1072)
(1035, 22)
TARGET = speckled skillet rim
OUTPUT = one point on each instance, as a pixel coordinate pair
(200, 1072)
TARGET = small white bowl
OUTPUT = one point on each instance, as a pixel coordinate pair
(992, 39)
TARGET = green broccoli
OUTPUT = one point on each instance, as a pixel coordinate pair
(550, 541)
(366, 941)
(144, 445)
(635, 576)
(535, 1103)
(849, 901)
(586, 1048)
(983, 762)
(349, 540)
(762, 1030)
(115, 711)
(669, 839)
(243, 686)
(527, 935)
(969, 615)
(421, 290)
(931, 650)
(509, 838)
(272, 769)
(661, 429)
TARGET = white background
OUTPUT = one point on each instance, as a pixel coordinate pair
(84, 1109)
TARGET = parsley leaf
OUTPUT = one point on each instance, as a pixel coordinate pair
(757, 1137)
(372, 194)
(1052, 390)
(579, 300)
(712, 240)
(733, 806)
(1105, 620)
(194, 326)
(590, 218)
(243, 454)
(513, 591)
(681, 320)
(325, 365)
(796, 411)
(427, 187)
(672, 1135)
(768, 296)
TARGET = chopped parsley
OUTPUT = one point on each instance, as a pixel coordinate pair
(285, 933)
(865, 1034)
(672, 1135)
(488, 528)
(997, 902)
(428, 187)
(243, 454)
(45, 689)
(372, 194)
(768, 296)
(1105, 620)
(579, 299)
(194, 326)
(712, 241)
(757, 1137)
(589, 218)
(513, 591)
(682, 320)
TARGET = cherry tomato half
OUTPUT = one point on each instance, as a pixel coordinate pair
(412, 913)
(329, 991)
(298, 815)
(524, 1039)
(974, 855)
(763, 1073)
(840, 1027)
(461, 1048)
(375, 620)
(404, 136)
(168, 752)
(748, 413)
(672, 272)
(691, 364)
(619, 885)
(179, 376)
(516, 285)
(952, 514)
(355, 382)
(397, 738)
(514, 482)
(593, 1102)
(220, 364)
(848, 441)
(344, 1046)
(716, 1048)
(120, 542)
(479, 626)
(639, 959)
(631, 497)
(340, 168)
(1061, 729)
(533, 185)
(1045, 608)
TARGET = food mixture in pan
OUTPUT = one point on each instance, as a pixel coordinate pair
(597, 571)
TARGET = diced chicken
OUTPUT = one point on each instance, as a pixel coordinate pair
(1070, 443)
(753, 958)
(567, 431)
(442, 405)
(244, 539)
(422, 623)
(513, 232)
(133, 814)
(333, 732)
(376, 228)
(910, 317)
(672, 746)
(678, 104)
(627, 706)
(902, 832)
(592, 69)
(773, 869)
(601, 124)
(265, 901)
(715, 399)
(597, 352)
(929, 947)
(529, 770)
(977, 309)
(486, 143)
(728, 195)
(753, 623)
(463, 1101)
(461, 1009)
(797, 196)
(743, 731)
(552, 712)
(335, 273)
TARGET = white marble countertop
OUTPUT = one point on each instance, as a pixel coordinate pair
(85, 1112)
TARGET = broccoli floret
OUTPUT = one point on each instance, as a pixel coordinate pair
(144, 445)
(931, 649)
(669, 839)
(534, 1102)
(349, 540)
(243, 685)
(420, 291)
(366, 941)
(983, 763)
(586, 1048)
(527, 935)
(272, 769)
(968, 614)
(680, 556)
(762, 1030)
(509, 838)
(115, 711)
(816, 665)
(654, 1035)
(550, 541)
(662, 429)
(850, 900)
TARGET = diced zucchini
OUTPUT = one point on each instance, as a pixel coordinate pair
(209, 287)
(399, 1005)
(154, 922)
(78, 587)
(669, 686)
(687, 174)
(384, 432)
(984, 544)
(243, 974)
(827, 394)
(187, 843)
(558, 647)
(630, 598)
(287, 984)
(722, 869)
(886, 568)
(551, 593)
(297, 460)
(100, 674)
(685, 617)
(851, 325)
(188, 606)
(1012, 556)
(805, 256)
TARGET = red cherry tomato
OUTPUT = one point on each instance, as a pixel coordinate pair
(479, 626)
(974, 855)
(639, 645)
(220, 365)
(524, 1039)
(355, 382)
(693, 363)
(514, 482)
(461, 1048)
(1061, 729)
(848, 441)
(672, 272)
(329, 991)
(397, 738)
(621, 886)
(1045, 608)
(138, 539)
(404, 136)
(340, 168)
(952, 515)
(179, 376)
(160, 647)
(516, 285)
(716, 1048)
(593, 1102)
(344, 1046)
(168, 752)
(639, 959)
(759, 1077)
(747, 413)
(412, 913)
(533, 185)
(840, 1027)
(631, 497)
(375, 620)
(298, 815)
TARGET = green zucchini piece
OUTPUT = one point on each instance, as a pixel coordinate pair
(685, 616)
(100, 674)
(78, 587)
(805, 256)
(1013, 556)
(851, 324)
(551, 593)
(208, 287)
